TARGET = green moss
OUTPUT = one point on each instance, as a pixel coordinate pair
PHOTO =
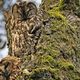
(49, 48)
(46, 58)
(57, 14)
(58, 51)
(59, 25)
(54, 53)
(61, 4)
(46, 73)
(55, 11)
(66, 64)
(49, 58)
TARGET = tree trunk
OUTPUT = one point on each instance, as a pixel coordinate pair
(42, 52)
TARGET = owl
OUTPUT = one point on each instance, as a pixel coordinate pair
(20, 18)
(23, 26)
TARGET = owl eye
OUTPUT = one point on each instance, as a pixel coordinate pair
(32, 10)
(31, 6)
(28, 10)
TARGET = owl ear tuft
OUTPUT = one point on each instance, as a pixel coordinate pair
(14, 8)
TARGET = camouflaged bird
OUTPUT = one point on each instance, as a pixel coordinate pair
(24, 23)
(21, 21)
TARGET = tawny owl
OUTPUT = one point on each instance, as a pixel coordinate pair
(23, 26)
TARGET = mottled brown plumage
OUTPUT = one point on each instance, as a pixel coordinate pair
(23, 25)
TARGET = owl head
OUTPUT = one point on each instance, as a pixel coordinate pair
(24, 11)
